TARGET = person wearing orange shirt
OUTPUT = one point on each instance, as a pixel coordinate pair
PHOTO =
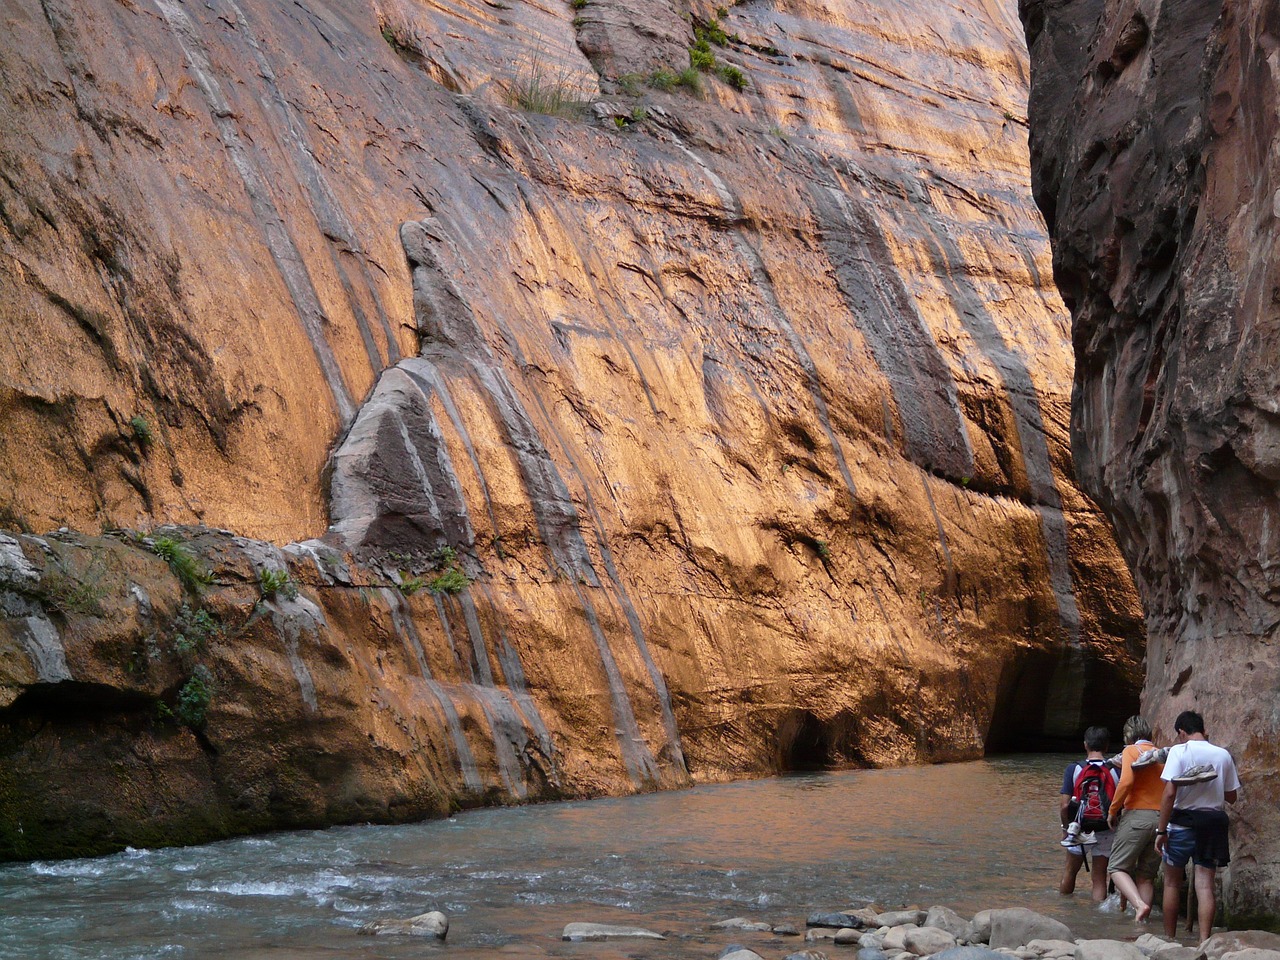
(1134, 859)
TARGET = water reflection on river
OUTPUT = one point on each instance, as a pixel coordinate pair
(970, 835)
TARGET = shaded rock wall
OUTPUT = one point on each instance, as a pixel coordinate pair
(744, 413)
(1154, 133)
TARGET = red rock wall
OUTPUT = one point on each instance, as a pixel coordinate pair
(1154, 129)
(745, 411)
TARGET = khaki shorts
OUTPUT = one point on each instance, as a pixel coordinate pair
(1134, 849)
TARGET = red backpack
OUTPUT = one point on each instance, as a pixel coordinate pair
(1093, 790)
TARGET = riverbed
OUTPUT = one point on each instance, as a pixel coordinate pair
(968, 835)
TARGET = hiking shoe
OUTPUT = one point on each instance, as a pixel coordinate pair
(1087, 839)
(1117, 761)
(1201, 773)
(1148, 757)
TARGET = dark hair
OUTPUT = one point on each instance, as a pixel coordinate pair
(1097, 738)
(1189, 722)
(1136, 728)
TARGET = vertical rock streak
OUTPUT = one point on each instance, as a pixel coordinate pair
(275, 233)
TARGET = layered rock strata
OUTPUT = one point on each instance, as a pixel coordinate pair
(679, 434)
(1154, 136)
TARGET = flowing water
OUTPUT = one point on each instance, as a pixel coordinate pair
(968, 835)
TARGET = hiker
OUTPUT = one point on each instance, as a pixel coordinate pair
(1200, 780)
(1087, 789)
(1134, 815)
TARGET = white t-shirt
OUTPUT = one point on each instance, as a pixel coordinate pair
(1201, 796)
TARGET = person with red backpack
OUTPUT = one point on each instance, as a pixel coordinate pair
(1084, 806)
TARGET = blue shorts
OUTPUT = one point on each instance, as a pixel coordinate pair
(1205, 844)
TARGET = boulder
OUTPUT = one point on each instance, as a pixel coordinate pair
(896, 918)
(873, 940)
(1234, 941)
(836, 919)
(944, 918)
(1149, 943)
(1107, 950)
(433, 924)
(740, 953)
(578, 932)
(742, 923)
(785, 930)
(926, 941)
(1178, 952)
(806, 955)
(1018, 925)
(847, 936)
(813, 934)
(895, 941)
(872, 953)
(1052, 948)
(979, 928)
(1252, 953)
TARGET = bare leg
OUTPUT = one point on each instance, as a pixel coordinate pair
(1124, 883)
(1204, 898)
(1173, 878)
(1069, 871)
(1147, 890)
(1099, 879)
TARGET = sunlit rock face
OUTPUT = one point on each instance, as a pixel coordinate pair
(737, 418)
(1154, 147)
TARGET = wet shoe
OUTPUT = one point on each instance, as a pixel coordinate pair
(1148, 757)
(1202, 773)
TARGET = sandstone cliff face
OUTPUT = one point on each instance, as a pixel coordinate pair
(1154, 132)
(738, 420)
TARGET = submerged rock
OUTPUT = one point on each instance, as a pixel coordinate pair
(433, 924)
(1017, 926)
(742, 923)
(579, 932)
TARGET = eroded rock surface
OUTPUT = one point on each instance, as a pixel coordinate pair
(737, 421)
(1154, 132)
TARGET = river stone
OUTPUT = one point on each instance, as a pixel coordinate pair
(1150, 943)
(578, 932)
(742, 923)
(847, 936)
(785, 930)
(835, 919)
(820, 933)
(944, 918)
(741, 953)
(1052, 948)
(1250, 953)
(433, 924)
(872, 939)
(979, 928)
(1018, 925)
(896, 918)
(870, 916)
(895, 941)
(1107, 950)
(968, 953)
(1178, 952)
(872, 953)
(1231, 941)
(806, 955)
(926, 941)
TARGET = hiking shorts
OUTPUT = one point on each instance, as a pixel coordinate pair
(1100, 849)
(1205, 844)
(1134, 847)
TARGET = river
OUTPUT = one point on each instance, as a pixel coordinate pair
(967, 835)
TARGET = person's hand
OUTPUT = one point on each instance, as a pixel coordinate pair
(1162, 840)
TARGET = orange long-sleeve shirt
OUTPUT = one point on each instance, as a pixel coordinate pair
(1140, 789)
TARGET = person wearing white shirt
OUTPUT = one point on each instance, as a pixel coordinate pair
(1200, 780)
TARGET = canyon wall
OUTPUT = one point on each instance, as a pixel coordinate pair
(1154, 148)
(476, 403)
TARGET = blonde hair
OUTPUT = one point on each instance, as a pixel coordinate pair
(1136, 728)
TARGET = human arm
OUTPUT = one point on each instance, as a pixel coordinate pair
(1230, 795)
(1166, 813)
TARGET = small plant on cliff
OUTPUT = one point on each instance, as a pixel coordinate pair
(142, 432)
(540, 88)
(195, 630)
(410, 585)
(273, 582)
(182, 562)
(452, 580)
(823, 549)
(192, 706)
(733, 76)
